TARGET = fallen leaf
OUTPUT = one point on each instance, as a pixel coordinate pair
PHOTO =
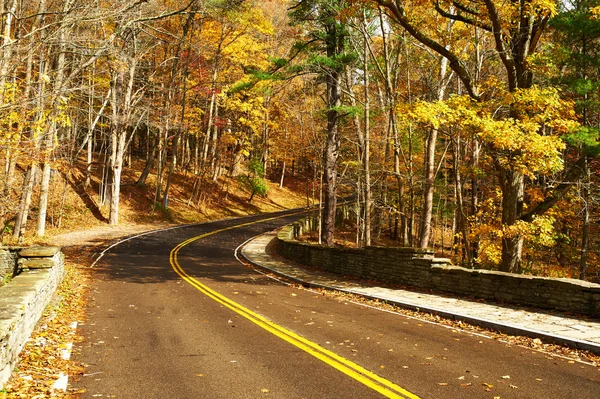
(485, 384)
(264, 390)
(514, 386)
(468, 384)
(462, 377)
(506, 377)
(443, 384)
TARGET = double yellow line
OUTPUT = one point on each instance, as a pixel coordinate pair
(362, 375)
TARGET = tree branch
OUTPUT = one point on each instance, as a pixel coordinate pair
(571, 178)
(397, 13)
(461, 18)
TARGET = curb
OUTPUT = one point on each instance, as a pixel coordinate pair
(505, 328)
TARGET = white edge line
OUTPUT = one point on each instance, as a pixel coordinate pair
(182, 226)
(257, 268)
(135, 236)
(477, 334)
(62, 382)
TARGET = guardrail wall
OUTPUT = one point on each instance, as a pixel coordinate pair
(24, 298)
(420, 268)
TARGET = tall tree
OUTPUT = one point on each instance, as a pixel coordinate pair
(577, 55)
(327, 39)
(517, 31)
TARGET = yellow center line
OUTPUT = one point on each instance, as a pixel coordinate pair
(362, 375)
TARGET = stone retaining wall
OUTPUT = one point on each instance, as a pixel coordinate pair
(23, 300)
(419, 268)
(8, 260)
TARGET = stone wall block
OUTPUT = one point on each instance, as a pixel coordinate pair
(39, 252)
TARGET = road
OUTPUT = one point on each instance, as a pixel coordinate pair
(173, 314)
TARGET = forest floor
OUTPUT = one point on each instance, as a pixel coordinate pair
(75, 211)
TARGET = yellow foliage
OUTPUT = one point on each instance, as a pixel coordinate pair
(526, 137)
(541, 8)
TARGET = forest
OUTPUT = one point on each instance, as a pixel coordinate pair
(467, 126)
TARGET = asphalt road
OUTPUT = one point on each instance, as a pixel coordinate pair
(173, 314)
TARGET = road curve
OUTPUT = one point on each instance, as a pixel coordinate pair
(173, 314)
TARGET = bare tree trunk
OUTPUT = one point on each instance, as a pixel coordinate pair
(367, 138)
(282, 175)
(361, 147)
(11, 154)
(214, 144)
(121, 119)
(330, 157)
(585, 231)
(430, 170)
(25, 203)
(462, 221)
(171, 169)
(513, 185)
(213, 100)
(48, 146)
(150, 155)
(7, 45)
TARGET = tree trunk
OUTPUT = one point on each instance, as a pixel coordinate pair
(25, 203)
(282, 175)
(427, 211)
(48, 146)
(367, 138)
(149, 165)
(334, 85)
(171, 169)
(512, 185)
(461, 216)
(122, 104)
(585, 231)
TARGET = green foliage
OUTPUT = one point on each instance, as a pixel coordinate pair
(256, 168)
(255, 181)
(348, 110)
(259, 186)
(326, 35)
(585, 138)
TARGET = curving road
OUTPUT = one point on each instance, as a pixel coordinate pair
(173, 314)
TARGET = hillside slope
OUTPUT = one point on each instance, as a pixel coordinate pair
(75, 212)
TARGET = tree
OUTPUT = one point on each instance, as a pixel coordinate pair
(517, 31)
(327, 40)
(577, 55)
